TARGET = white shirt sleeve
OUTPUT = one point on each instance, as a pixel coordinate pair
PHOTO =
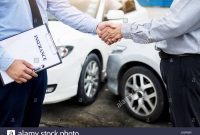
(71, 16)
(183, 17)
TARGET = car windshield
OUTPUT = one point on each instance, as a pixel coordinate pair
(87, 6)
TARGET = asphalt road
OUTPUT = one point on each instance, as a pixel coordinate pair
(103, 113)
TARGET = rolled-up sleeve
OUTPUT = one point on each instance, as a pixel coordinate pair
(181, 18)
(5, 60)
(71, 16)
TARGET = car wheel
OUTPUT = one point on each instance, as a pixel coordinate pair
(90, 79)
(142, 94)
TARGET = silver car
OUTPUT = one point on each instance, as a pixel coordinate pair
(134, 74)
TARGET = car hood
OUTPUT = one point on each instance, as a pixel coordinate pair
(64, 34)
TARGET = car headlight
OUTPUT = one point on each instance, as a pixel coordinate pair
(119, 49)
(64, 51)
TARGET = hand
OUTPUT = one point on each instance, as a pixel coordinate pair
(21, 71)
(109, 32)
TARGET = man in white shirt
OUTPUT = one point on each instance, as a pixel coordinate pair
(179, 31)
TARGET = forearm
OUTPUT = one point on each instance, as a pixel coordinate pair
(138, 33)
(80, 21)
(180, 20)
(72, 16)
(5, 60)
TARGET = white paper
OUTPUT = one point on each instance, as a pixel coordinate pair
(36, 46)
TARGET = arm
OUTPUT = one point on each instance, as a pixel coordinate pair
(19, 70)
(183, 17)
(72, 16)
(5, 60)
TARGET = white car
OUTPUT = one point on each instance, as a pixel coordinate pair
(137, 80)
(84, 65)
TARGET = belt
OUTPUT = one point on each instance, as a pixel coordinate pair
(164, 55)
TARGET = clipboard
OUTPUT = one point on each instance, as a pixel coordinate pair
(35, 46)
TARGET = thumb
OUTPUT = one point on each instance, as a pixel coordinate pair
(105, 24)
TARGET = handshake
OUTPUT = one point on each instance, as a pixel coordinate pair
(109, 32)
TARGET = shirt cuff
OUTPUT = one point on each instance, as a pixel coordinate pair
(5, 61)
(95, 24)
(126, 30)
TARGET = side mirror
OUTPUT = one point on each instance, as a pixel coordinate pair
(115, 15)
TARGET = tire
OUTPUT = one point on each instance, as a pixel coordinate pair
(145, 102)
(90, 80)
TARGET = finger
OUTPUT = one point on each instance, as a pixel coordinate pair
(112, 41)
(23, 80)
(109, 42)
(114, 35)
(104, 31)
(19, 82)
(31, 72)
(27, 76)
(110, 24)
(117, 37)
(106, 35)
(34, 74)
(103, 25)
(114, 38)
(28, 64)
(110, 37)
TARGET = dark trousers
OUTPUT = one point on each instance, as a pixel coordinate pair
(21, 104)
(182, 78)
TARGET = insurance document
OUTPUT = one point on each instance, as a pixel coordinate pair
(36, 46)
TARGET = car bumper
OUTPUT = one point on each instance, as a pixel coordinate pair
(65, 77)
